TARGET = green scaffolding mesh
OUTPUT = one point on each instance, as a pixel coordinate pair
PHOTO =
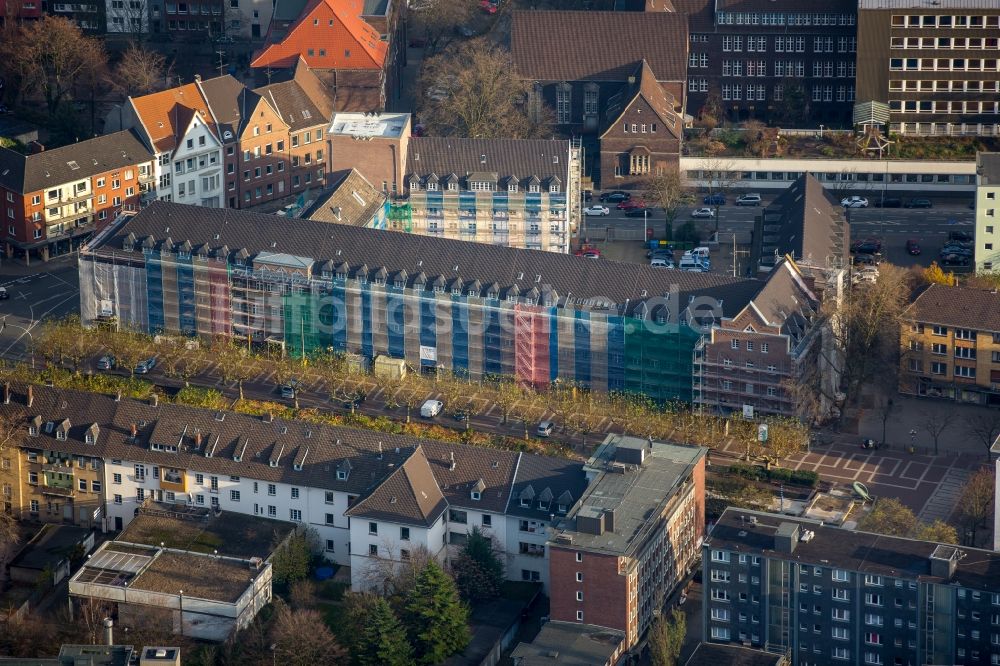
(302, 325)
(401, 214)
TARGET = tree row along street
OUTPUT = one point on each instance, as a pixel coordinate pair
(495, 412)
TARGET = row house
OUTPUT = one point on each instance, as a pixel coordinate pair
(54, 200)
(357, 56)
(219, 144)
(440, 304)
(601, 85)
(816, 593)
(89, 15)
(950, 345)
(373, 498)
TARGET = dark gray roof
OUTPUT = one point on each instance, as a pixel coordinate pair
(51, 168)
(569, 276)
(785, 301)
(807, 222)
(523, 158)
(302, 101)
(976, 309)
(592, 45)
(51, 545)
(853, 550)
(229, 104)
(288, 10)
(410, 494)
(569, 644)
(713, 654)
(539, 478)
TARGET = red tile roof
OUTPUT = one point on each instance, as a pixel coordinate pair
(166, 114)
(335, 35)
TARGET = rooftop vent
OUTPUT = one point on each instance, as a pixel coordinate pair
(786, 537)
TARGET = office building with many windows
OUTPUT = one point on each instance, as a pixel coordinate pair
(829, 595)
(987, 250)
(935, 64)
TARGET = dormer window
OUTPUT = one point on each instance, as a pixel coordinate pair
(341, 475)
(525, 502)
(512, 297)
(61, 435)
(533, 188)
(399, 284)
(476, 495)
(452, 186)
(553, 188)
(544, 506)
(561, 508)
(89, 438)
(512, 187)
(432, 187)
(414, 186)
(33, 431)
(456, 291)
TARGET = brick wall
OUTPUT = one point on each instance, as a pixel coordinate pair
(605, 593)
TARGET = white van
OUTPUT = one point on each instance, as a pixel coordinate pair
(700, 252)
(693, 264)
(431, 408)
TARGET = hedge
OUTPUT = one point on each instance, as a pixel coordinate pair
(797, 477)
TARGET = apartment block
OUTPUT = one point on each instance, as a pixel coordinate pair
(987, 248)
(376, 145)
(54, 200)
(439, 304)
(950, 345)
(934, 64)
(829, 595)
(632, 538)
(371, 497)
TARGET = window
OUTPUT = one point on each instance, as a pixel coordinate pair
(373, 529)
(272, 490)
(734, 344)
(840, 575)
(939, 331)
(873, 599)
(95, 486)
(720, 614)
(234, 495)
(579, 557)
(718, 556)
(328, 519)
(404, 533)
(841, 615)
(295, 493)
(873, 580)
(329, 545)
(579, 576)
(939, 368)
(840, 633)
(373, 550)
(718, 633)
(295, 515)
(841, 653)
(116, 478)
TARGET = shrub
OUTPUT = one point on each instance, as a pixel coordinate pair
(804, 477)
(751, 472)
(779, 474)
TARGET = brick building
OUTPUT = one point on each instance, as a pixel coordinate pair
(12, 11)
(377, 146)
(830, 595)
(600, 71)
(54, 200)
(356, 49)
(934, 63)
(781, 61)
(950, 345)
(634, 535)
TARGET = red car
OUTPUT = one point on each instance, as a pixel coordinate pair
(489, 6)
(631, 203)
(913, 247)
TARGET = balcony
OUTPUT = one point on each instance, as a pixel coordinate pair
(66, 468)
(58, 492)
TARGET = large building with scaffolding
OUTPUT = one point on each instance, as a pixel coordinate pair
(441, 305)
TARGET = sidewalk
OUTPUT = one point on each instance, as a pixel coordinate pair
(911, 413)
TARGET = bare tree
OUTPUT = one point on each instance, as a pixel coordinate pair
(302, 638)
(669, 191)
(438, 19)
(720, 176)
(49, 56)
(139, 71)
(976, 504)
(985, 428)
(936, 422)
(473, 92)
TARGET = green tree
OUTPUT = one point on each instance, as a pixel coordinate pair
(938, 531)
(890, 516)
(383, 639)
(666, 638)
(291, 561)
(478, 570)
(436, 619)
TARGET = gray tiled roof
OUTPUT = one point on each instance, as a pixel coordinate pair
(51, 168)
(229, 104)
(353, 200)
(785, 300)
(522, 158)
(570, 276)
(410, 494)
(538, 474)
(598, 46)
(811, 224)
(235, 444)
(301, 101)
(975, 309)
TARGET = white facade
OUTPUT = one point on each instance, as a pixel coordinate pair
(987, 248)
(374, 543)
(248, 19)
(197, 167)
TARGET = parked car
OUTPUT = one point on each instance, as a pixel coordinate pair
(703, 212)
(431, 408)
(596, 209)
(854, 202)
(862, 259)
(3, 294)
(957, 248)
(889, 202)
(588, 251)
(961, 236)
(355, 401)
(702, 253)
(144, 367)
(955, 260)
(631, 203)
(638, 212)
(748, 200)
(615, 197)
(667, 252)
(869, 444)
(912, 247)
(461, 415)
(289, 390)
(919, 203)
(714, 200)
(867, 246)
(545, 428)
(587, 195)
(867, 274)
(661, 262)
(106, 363)
(693, 264)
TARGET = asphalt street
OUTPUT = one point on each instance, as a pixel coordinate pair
(37, 292)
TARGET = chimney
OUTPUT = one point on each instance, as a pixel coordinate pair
(133, 430)
(108, 631)
(118, 396)
(786, 537)
(197, 77)
(154, 400)
(197, 440)
(34, 148)
(452, 466)
(6, 393)
(269, 417)
(31, 395)
(380, 450)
